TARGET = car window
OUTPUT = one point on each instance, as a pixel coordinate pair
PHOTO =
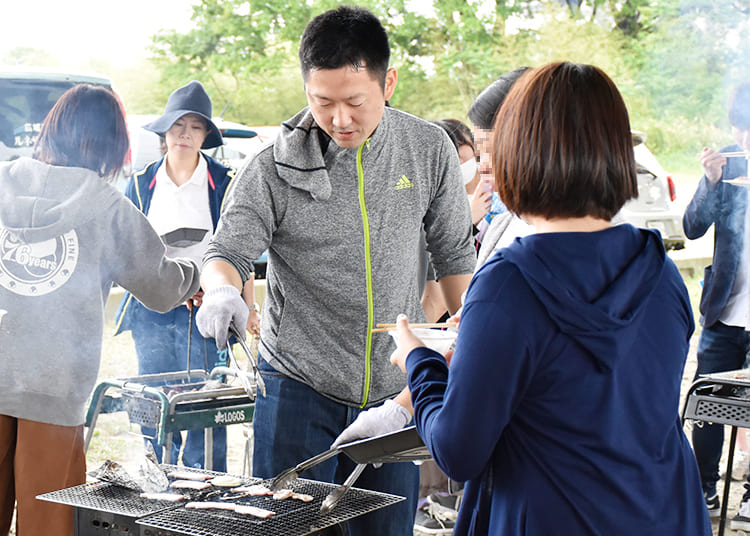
(23, 106)
(24, 103)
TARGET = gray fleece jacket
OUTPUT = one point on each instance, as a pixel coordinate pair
(65, 237)
(342, 229)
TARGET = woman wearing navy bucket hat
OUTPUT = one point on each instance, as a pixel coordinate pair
(181, 195)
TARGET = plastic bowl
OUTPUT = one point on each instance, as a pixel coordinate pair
(439, 340)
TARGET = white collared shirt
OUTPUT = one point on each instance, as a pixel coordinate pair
(175, 207)
(737, 310)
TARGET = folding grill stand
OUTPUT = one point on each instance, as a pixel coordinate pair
(721, 398)
(148, 405)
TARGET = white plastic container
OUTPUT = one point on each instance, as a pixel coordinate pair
(439, 340)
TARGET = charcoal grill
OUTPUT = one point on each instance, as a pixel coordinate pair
(173, 402)
(103, 508)
(721, 398)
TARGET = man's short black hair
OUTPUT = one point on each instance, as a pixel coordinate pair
(345, 36)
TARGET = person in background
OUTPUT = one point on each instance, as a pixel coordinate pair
(724, 342)
(480, 199)
(439, 496)
(339, 200)
(66, 236)
(479, 202)
(545, 411)
(181, 195)
(504, 227)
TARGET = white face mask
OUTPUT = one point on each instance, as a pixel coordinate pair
(468, 170)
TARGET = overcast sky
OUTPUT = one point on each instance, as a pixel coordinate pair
(76, 30)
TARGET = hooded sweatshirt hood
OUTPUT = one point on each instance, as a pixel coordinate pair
(39, 202)
(601, 310)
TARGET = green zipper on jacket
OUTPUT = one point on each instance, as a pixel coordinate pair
(368, 271)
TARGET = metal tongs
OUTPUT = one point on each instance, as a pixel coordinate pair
(246, 385)
(333, 498)
(286, 477)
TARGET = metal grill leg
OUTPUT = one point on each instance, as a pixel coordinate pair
(208, 448)
(727, 481)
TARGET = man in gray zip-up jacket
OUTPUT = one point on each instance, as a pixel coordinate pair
(338, 200)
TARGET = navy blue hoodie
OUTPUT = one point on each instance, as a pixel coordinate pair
(561, 406)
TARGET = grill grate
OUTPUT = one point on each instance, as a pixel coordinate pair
(106, 497)
(292, 517)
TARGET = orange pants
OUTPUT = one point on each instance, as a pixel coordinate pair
(37, 458)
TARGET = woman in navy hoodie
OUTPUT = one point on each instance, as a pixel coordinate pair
(560, 407)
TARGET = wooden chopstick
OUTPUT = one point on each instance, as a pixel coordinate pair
(387, 327)
(736, 154)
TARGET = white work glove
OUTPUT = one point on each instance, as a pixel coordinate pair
(221, 306)
(389, 417)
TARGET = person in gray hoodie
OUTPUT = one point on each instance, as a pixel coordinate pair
(338, 200)
(66, 236)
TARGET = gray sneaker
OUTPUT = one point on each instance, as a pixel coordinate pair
(742, 520)
(434, 519)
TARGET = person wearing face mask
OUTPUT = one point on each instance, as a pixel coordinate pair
(501, 229)
(480, 199)
(724, 342)
(181, 195)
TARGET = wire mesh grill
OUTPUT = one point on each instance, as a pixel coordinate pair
(106, 497)
(291, 517)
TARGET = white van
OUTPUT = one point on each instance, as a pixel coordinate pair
(26, 96)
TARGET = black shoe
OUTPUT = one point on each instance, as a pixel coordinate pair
(713, 504)
(742, 520)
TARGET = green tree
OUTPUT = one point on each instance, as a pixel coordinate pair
(673, 60)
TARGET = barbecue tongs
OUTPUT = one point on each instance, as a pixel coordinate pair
(285, 478)
(261, 385)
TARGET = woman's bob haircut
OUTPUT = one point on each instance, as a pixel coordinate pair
(562, 145)
(85, 128)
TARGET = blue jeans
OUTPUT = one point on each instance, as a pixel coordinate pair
(720, 348)
(161, 343)
(293, 423)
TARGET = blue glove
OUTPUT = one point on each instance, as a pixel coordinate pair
(389, 417)
(221, 306)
